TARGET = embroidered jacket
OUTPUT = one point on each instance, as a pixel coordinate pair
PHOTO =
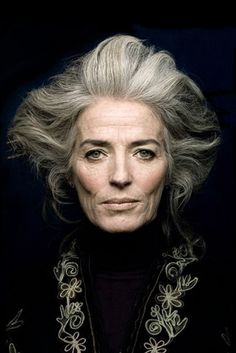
(171, 316)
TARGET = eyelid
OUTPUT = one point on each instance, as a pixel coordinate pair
(148, 149)
(150, 153)
(88, 154)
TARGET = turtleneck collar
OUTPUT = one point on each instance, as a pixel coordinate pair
(122, 251)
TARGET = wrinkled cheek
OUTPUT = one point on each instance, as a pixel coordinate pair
(155, 199)
(87, 197)
(86, 182)
(86, 202)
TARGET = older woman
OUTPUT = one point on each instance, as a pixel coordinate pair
(133, 137)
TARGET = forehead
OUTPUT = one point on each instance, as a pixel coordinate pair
(108, 115)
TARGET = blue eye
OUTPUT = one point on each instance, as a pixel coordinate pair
(145, 154)
(94, 154)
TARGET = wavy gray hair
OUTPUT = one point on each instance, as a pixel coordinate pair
(122, 66)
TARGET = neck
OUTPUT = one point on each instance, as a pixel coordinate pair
(122, 251)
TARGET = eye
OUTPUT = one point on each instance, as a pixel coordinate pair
(145, 154)
(94, 155)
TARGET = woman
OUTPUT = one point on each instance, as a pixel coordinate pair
(133, 137)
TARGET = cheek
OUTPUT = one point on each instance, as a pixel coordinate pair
(153, 181)
(87, 179)
(153, 185)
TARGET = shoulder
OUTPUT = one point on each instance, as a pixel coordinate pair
(212, 305)
(28, 304)
(205, 302)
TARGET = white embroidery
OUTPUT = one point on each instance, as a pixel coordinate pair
(72, 316)
(165, 317)
(16, 322)
(12, 348)
(154, 347)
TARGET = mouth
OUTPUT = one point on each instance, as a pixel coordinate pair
(120, 203)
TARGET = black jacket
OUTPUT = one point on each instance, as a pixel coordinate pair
(185, 306)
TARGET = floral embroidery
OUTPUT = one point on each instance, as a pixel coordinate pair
(75, 343)
(154, 347)
(169, 297)
(165, 322)
(164, 314)
(12, 348)
(70, 289)
(14, 324)
(72, 316)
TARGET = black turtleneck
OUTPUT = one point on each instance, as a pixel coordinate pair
(120, 266)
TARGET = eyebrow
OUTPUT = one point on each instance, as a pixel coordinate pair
(145, 142)
(104, 143)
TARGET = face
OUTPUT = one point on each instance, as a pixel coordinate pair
(119, 164)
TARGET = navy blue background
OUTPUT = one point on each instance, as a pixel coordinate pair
(204, 46)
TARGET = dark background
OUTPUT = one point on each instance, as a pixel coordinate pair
(35, 46)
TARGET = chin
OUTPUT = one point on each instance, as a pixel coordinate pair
(120, 226)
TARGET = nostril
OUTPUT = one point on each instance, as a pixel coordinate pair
(120, 184)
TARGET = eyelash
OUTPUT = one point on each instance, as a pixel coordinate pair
(149, 154)
(90, 154)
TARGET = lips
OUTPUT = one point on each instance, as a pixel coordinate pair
(120, 204)
(120, 201)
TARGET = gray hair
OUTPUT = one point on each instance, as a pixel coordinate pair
(123, 67)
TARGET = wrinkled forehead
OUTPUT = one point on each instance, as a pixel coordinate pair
(109, 116)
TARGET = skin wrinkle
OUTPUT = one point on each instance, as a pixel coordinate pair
(119, 169)
(122, 67)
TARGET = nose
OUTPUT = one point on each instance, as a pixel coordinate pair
(120, 173)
